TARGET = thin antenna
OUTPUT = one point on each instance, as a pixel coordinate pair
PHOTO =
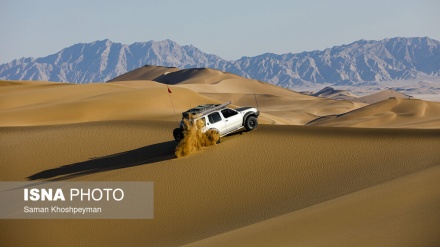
(255, 96)
(169, 94)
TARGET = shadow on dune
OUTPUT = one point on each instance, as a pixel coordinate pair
(141, 156)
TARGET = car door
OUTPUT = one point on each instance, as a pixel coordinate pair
(215, 121)
(233, 119)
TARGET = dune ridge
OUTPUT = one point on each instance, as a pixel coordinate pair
(195, 76)
(382, 95)
(329, 92)
(390, 113)
(147, 72)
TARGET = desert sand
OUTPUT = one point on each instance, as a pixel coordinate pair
(283, 184)
(276, 171)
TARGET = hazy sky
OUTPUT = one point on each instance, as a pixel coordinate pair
(229, 29)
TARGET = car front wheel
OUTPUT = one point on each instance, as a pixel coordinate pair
(251, 123)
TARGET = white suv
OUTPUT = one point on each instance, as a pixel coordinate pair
(220, 118)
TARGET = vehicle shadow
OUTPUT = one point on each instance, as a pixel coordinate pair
(141, 156)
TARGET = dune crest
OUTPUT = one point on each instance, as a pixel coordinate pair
(382, 95)
(329, 92)
(390, 113)
(196, 76)
(147, 72)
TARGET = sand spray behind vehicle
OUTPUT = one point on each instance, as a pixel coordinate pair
(194, 139)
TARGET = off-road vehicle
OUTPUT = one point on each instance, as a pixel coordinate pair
(219, 118)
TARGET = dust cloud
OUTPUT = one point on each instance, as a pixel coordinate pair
(194, 139)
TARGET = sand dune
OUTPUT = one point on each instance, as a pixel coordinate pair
(196, 76)
(249, 178)
(42, 103)
(283, 106)
(380, 96)
(48, 104)
(146, 72)
(331, 93)
(294, 107)
(390, 113)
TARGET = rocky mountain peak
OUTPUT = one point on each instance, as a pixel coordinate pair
(355, 63)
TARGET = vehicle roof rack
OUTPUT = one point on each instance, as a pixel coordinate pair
(204, 109)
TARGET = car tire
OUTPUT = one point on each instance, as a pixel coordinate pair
(178, 134)
(251, 123)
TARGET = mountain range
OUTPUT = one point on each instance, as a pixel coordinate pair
(353, 64)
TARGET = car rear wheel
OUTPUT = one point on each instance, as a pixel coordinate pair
(251, 123)
(178, 134)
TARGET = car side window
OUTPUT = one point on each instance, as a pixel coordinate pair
(214, 117)
(228, 112)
